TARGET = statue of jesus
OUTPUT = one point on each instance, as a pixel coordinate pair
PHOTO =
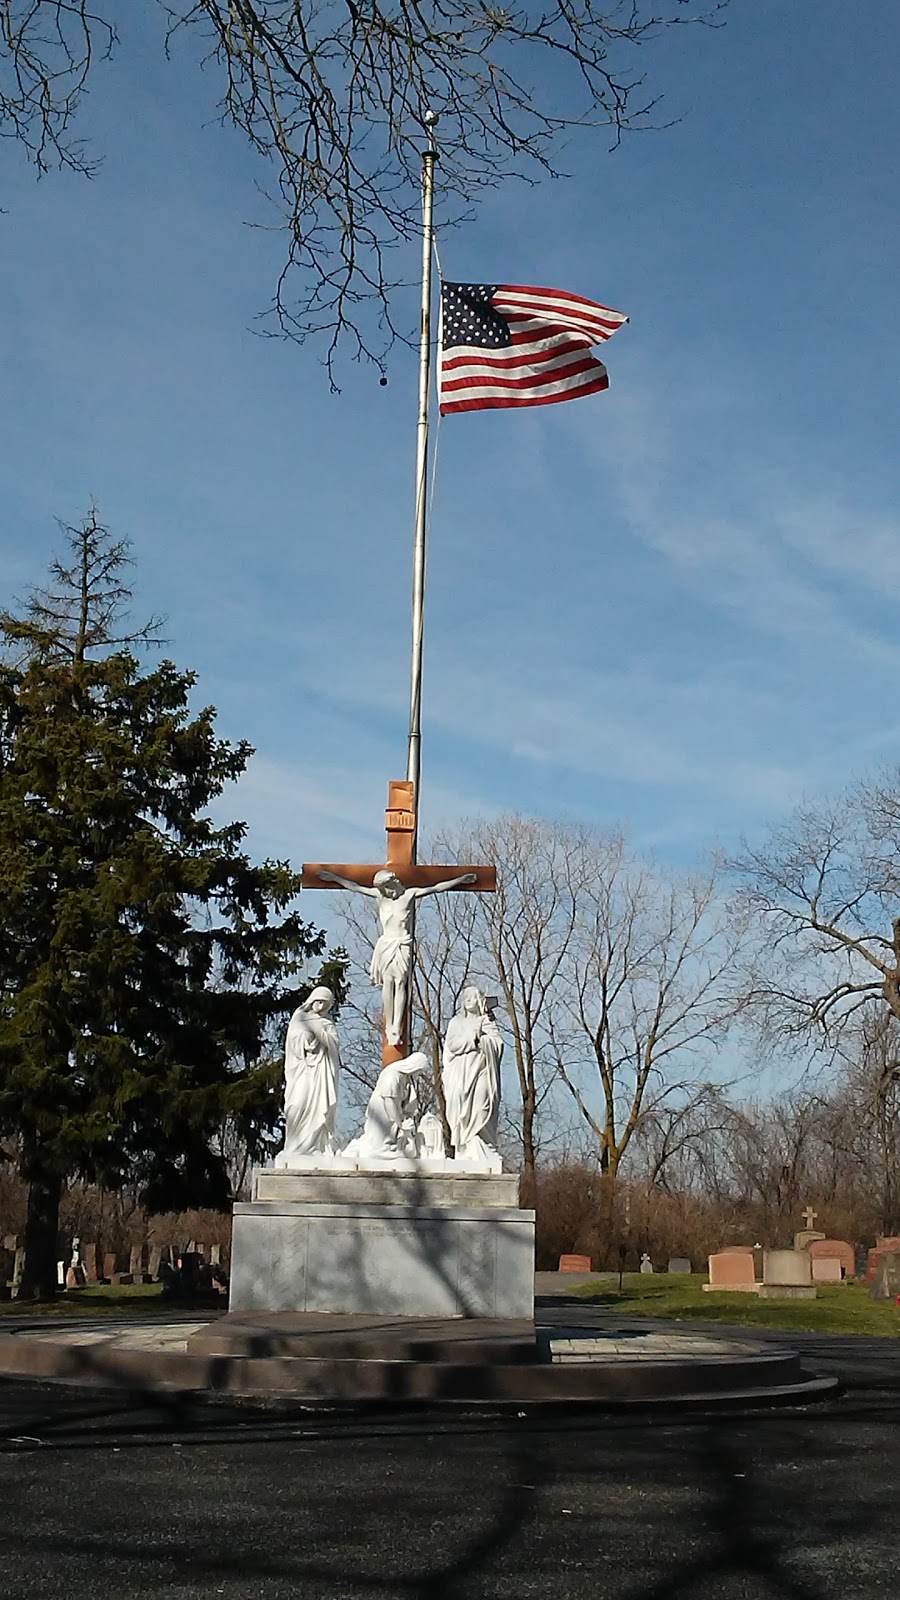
(392, 956)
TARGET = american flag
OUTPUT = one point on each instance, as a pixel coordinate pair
(510, 345)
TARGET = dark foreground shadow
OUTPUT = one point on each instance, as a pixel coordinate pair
(132, 1494)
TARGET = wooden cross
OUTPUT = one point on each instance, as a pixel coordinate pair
(400, 826)
(809, 1217)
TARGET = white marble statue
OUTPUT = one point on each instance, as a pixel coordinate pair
(430, 1137)
(389, 1133)
(471, 1070)
(392, 956)
(311, 1068)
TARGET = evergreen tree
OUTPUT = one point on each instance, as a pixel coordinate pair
(144, 959)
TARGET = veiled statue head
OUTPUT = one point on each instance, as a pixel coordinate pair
(473, 1000)
(417, 1062)
(320, 1001)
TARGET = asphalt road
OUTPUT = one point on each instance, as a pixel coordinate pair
(108, 1496)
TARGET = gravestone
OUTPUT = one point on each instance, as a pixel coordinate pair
(18, 1267)
(646, 1264)
(89, 1258)
(136, 1261)
(61, 1274)
(787, 1275)
(827, 1269)
(885, 1243)
(679, 1264)
(574, 1264)
(887, 1276)
(153, 1263)
(215, 1255)
(109, 1267)
(189, 1267)
(835, 1248)
(806, 1237)
(808, 1232)
(732, 1271)
(74, 1279)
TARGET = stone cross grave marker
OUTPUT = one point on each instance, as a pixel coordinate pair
(400, 883)
(809, 1217)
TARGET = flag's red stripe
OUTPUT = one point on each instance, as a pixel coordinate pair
(530, 336)
(502, 402)
(530, 380)
(476, 357)
(558, 310)
(566, 320)
(553, 294)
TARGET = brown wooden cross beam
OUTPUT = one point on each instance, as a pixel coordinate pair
(391, 961)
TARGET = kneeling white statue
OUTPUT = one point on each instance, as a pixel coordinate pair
(312, 1064)
(389, 1132)
(471, 1063)
(430, 1137)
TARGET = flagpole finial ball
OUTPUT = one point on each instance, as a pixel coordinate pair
(430, 118)
(383, 381)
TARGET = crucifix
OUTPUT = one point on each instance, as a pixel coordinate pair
(396, 887)
(809, 1217)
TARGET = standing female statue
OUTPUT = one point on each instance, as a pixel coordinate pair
(392, 956)
(311, 1066)
(471, 1062)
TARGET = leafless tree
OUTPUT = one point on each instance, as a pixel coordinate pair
(680, 1144)
(861, 1118)
(651, 981)
(521, 937)
(333, 97)
(825, 889)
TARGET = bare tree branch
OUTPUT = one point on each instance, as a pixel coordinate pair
(332, 95)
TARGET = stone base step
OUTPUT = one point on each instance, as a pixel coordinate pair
(456, 1341)
(444, 1361)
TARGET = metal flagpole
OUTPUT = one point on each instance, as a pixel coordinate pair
(414, 748)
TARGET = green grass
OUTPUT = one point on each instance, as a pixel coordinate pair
(839, 1308)
(98, 1298)
(844, 1308)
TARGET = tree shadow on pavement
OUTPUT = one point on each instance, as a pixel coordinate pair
(127, 1495)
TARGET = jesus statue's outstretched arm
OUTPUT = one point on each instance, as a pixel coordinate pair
(347, 883)
(464, 879)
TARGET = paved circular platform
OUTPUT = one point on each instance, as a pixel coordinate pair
(328, 1359)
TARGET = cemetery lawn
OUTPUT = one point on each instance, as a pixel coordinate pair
(839, 1308)
(92, 1301)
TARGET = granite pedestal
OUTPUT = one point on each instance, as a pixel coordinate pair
(406, 1244)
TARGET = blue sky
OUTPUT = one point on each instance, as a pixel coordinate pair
(672, 606)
